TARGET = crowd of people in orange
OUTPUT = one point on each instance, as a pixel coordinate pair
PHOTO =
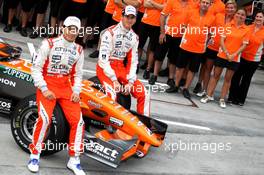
(205, 36)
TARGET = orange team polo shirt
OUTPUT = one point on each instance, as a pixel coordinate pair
(219, 26)
(142, 8)
(117, 15)
(152, 15)
(176, 16)
(254, 49)
(217, 7)
(80, 1)
(234, 38)
(196, 34)
(110, 7)
(194, 3)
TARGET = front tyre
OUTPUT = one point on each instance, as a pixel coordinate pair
(23, 120)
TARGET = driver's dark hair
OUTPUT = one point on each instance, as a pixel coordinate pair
(258, 11)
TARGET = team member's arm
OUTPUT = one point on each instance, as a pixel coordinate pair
(223, 47)
(157, 5)
(77, 73)
(133, 62)
(212, 32)
(148, 4)
(104, 55)
(120, 3)
(132, 58)
(244, 44)
(135, 3)
(123, 3)
(38, 63)
(162, 37)
(37, 70)
(164, 14)
(186, 20)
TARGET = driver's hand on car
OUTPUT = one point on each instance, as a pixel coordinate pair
(128, 88)
(75, 98)
(117, 86)
(49, 95)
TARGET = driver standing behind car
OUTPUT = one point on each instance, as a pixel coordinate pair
(57, 74)
(119, 43)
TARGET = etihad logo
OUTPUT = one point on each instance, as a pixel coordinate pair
(63, 49)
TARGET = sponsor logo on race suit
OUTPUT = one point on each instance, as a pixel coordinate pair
(66, 50)
(7, 82)
(62, 60)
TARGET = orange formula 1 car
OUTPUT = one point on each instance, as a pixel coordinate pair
(113, 133)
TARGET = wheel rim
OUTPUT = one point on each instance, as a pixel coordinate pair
(29, 118)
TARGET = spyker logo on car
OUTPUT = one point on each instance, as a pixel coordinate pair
(94, 104)
(116, 121)
(100, 150)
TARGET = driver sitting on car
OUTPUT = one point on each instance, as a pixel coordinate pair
(57, 74)
(118, 59)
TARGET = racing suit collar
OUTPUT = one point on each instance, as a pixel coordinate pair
(123, 28)
(65, 42)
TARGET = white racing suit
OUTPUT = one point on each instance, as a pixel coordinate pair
(58, 68)
(118, 45)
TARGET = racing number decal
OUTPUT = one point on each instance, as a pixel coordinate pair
(118, 44)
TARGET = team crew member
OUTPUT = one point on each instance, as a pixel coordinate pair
(120, 5)
(93, 20)
(41, 9)
(141, 11)
(119, 43)
(150, 28)
(72, 8)
(109, 10)
(250, 60)
(232, 43)
(217, 7)
(193, 45)
(106, 22)
(174, 13)
(58, 66)
(213, 47)
(27, 5)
